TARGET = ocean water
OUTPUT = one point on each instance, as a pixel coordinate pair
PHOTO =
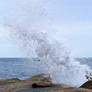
(87, 61)
(17, 68)
(22, 69)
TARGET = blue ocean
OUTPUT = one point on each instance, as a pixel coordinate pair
(17, 68)
(22, 68)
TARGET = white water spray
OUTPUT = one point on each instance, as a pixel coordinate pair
(30, 24)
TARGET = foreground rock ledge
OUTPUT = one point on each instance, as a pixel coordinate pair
(38, 81)
(69, 90)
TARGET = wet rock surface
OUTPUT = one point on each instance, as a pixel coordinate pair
(54, 89)
(69, 90)
(37, 89)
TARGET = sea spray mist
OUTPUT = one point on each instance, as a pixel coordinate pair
(30, 24)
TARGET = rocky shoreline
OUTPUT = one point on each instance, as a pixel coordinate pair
(41, 83)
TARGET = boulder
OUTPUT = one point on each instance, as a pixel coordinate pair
(87, 85)
(48, 84)
(40, 77)
(42, 85)
(44, 80)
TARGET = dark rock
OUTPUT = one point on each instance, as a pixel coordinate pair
(41, 85)
(41, 77)
(44, 80)
(87, 85)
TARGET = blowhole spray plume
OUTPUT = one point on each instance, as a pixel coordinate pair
(30, 26)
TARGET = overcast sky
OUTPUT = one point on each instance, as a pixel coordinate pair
(71, 20)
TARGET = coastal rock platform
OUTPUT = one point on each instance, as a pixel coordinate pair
(39, 83)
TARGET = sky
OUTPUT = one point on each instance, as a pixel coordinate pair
(70, 19)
